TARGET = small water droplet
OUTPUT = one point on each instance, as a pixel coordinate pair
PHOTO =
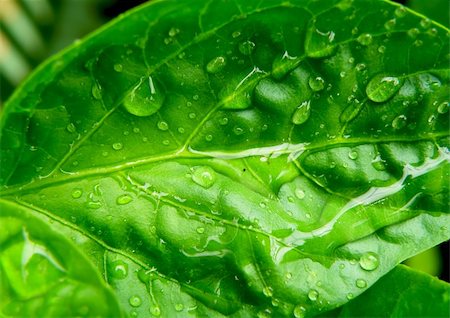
(117, 146)
(200, 230)
(235, 34)
(238, 131)
(208, 137)
(124, 199)
(390, 24)
(94, 205)
(135, 301)
(192, 115)
(353, 155)
(299, 311)
(204, 176)
(155, 311)
(399, 122)
(413, 33)
(300, 194)
(369, 261)
(268, 291)
(262, 205)
(119, 269)
(77, 193)
(443, 108)
(381, 88)
(360, 67)
(361, 283)
(173, 32)
(118, 67)
(246, 47)
(301, 114)
(313, 295)
(316, 83)
(418, 43)
(71, 128)
(425, 23)
(223, 121)
(162, 125)
(216, 65)
(365, 39)
(288, 275)
(179, 307)
(400, 12)
(96, 91)
(350, 296)
(381, 49)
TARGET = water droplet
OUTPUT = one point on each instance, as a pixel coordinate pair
(369, 261)
(301, 114)
(319, 43)
(350, 296)
(300, 194)
(316, 83)
(135, 301)
(268, 291)
(162, 125)
(173, 32)
(77, 193)
(353, 155)
(400, 12)
(360, 67)
(381, 49)
(361, 283)
(413, 33)
(443, 108)
(200, 230)
(399, 122)
(313, 295)
(381, 88)
(235, 34)
(117, 146)
(155, 311)
(134, 313)
(118, 67)
(119, 269)
(238, 131)
(94, 205)
(204, 176)
(390, 24)
(418, 43)
(96, 91)
(246, 47)
(223, 121)
(299, 311)
(179, 307)
(263, 205)
(144, 99)
(288, 275)
(216, 65)
(425, 23)
(181, 130)
(192, 115)
(365, 39)
(71, 128)
(124, 199)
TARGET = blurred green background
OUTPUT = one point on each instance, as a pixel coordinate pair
(32, 30)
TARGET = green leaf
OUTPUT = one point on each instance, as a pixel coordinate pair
(248, 158)
(411, 294)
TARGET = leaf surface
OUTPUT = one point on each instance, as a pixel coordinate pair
(238, 158)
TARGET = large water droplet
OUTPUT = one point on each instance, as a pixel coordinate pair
(119, 269)
(135, 301)
(246, 47)
(369, 261)
(381, 88)
(313, 295)
(301, 114)
(319, 43)
(299, 311)
(316, 83)
(124, 199)
(145, 99)
(216, 65)
(204, 176)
